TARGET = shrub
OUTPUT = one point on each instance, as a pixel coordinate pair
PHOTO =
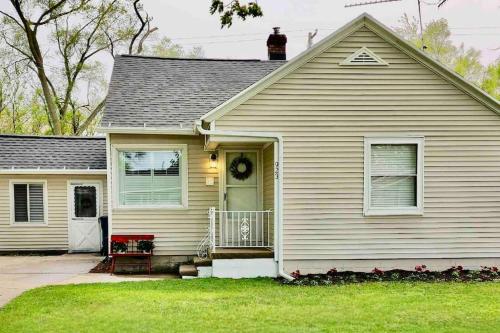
(421, 273)
(145, 246)
(119, 247)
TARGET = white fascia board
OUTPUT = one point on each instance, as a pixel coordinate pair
(53, 171)
(147, 130)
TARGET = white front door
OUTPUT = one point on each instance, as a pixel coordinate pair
(84, 230)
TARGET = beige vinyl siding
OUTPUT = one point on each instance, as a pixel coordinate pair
(177, 231)
(53, 236)
(324, 111)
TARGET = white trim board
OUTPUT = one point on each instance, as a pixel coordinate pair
(147, 130)
(53, 171)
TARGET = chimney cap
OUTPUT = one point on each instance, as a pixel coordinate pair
(276, 30)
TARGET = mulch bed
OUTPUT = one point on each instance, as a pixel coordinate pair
(421, 273)
(102, 267)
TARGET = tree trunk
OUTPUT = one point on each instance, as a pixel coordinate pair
(49, 102)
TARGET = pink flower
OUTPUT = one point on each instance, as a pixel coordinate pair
(296, 274)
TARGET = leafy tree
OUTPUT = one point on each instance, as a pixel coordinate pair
(438, 44)
(60, 41)
(167, 49)
(228, 9)
(491, 80)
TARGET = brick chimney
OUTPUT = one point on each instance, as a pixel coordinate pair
(276, 45)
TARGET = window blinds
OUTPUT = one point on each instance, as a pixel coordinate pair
(150, 178)
(28, 203)
(393, 175)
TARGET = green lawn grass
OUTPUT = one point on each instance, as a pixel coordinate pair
(213, 305)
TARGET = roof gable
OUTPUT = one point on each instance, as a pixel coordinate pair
(380, 30)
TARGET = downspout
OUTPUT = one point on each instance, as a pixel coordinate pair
(279, 138)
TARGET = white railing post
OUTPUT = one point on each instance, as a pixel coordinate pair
(211, 217)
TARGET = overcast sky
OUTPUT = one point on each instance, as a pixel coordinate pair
(476, 23)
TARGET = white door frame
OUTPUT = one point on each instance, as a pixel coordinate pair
(70, 204)
(222, 184)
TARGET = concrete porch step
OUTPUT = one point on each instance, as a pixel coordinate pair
(202, 262)
(241, 253)
(188, 270)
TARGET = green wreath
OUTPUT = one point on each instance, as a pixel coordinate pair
(241, 168)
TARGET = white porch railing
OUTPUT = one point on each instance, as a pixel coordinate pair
(241, 228)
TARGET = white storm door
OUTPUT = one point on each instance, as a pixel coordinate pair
(84, 230)
(240, 223)
(242, 194)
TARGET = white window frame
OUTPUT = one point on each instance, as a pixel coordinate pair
(13, 222)
(116, 148)
(375, 211)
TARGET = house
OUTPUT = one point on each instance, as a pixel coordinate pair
(360, 152)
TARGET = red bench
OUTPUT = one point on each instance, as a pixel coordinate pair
(130, 246)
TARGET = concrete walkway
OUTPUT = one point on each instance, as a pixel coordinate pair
(21, 273)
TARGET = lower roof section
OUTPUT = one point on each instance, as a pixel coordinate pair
(52, 154)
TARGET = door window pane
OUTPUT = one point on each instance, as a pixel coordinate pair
(85, 201)
(242, 198)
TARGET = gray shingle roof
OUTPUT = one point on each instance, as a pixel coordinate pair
(165, 92)
(44, 152)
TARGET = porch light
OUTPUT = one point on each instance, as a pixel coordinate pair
(213, 161)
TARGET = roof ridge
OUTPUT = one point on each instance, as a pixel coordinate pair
(33, 136)
(196, 59)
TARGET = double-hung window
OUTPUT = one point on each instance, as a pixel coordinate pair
(28, 202)
(152, 177)
(393, 176)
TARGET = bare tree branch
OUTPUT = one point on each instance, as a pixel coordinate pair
(144, 22)
(12, 18)
(140, 46)
(91, 117)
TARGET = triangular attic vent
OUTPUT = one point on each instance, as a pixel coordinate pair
(364, 57)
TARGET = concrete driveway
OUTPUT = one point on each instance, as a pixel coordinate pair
(21, 273)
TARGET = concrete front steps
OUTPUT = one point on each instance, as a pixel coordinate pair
(235, 263)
